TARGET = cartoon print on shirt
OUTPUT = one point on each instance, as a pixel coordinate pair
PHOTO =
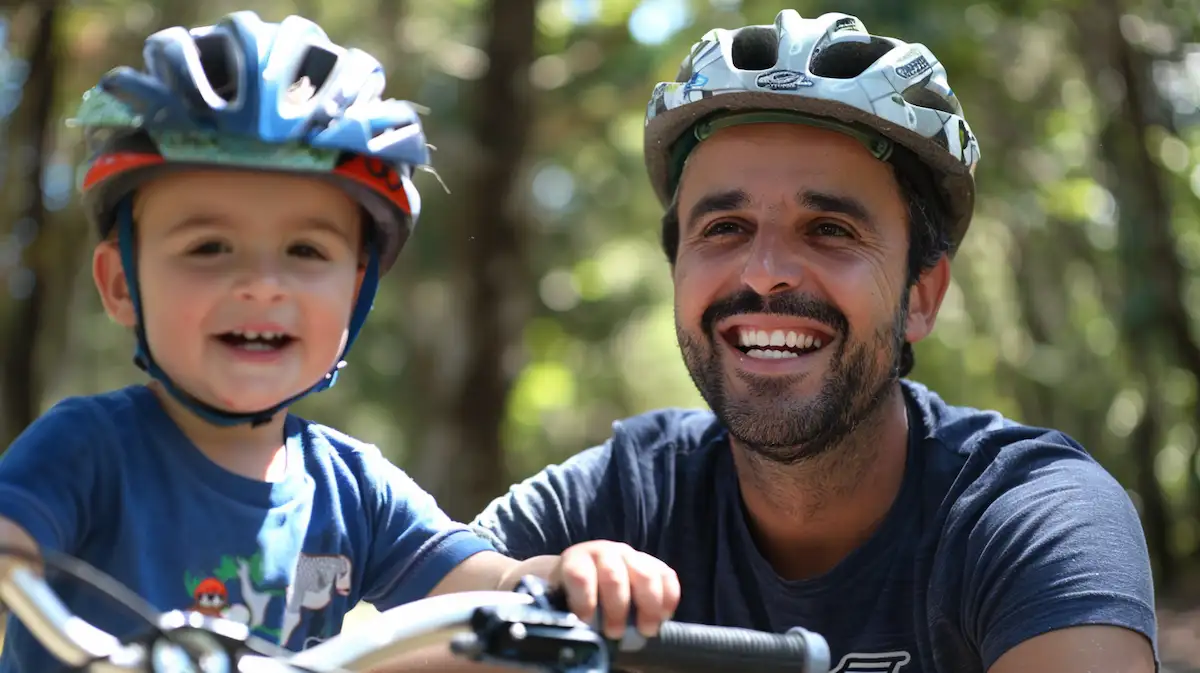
(210, 597)
(317, 577)
(251, 610)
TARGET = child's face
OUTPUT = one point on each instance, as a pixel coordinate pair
(225, 258)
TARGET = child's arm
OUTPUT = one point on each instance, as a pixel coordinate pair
(15, 537)
(49, 477)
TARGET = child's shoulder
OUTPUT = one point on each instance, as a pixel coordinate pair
(115, 411)
(329, 444)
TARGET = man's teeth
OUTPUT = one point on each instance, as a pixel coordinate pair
(771, 355)
(778, 338)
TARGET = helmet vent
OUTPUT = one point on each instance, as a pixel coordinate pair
(847, 60)
(755, 48)
(316, 66)
(219, 63)
(921, 96)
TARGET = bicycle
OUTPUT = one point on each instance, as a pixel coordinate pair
(525, 628)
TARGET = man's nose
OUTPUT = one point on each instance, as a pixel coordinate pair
(772, 265)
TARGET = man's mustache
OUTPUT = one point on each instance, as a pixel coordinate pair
(797, 305)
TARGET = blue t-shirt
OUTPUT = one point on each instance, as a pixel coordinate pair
(112, 480)
(1000, 532)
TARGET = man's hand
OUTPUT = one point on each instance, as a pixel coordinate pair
(611, 575)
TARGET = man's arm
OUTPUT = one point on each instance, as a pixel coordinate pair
(1058, 574)
(562, 505)
(1095, 649)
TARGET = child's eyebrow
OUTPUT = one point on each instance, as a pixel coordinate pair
(317, 223)
(307, 222)
(196, 221)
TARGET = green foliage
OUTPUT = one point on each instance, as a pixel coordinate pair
(1034, 324)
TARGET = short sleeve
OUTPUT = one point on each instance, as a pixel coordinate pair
(1059, 546)
(49, 473)
(414, 544)
(560, 506)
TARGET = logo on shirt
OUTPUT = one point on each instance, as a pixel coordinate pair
(872, 662)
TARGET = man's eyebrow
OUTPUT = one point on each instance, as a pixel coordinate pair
(834, 203)
(718, 202)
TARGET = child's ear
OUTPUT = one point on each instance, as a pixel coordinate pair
(112, 285)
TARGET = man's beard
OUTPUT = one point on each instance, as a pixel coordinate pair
(768, 419)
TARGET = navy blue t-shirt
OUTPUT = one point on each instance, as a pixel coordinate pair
(112, 480)
(1000, 532)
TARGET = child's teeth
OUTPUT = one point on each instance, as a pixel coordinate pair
(251, 335)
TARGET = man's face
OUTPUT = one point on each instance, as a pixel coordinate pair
(791, 293)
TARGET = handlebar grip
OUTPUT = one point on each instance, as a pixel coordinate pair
(699, 648)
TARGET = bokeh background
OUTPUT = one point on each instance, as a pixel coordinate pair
(533, 307)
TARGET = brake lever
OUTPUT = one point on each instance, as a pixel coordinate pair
(539, 636)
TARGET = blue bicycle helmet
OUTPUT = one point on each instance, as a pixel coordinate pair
(248, 95)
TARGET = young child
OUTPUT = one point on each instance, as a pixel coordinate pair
(250, 188)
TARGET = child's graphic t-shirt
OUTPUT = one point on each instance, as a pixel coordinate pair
(112, 480)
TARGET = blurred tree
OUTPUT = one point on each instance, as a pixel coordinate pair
(462, 458)
(32, 124)
(533, 306)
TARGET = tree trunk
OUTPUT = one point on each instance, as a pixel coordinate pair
(20, 383)
(462, 463)
(1153, 310)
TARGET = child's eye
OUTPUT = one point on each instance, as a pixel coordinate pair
(208, 248)
(306, 251)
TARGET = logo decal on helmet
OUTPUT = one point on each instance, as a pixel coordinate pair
(848, 23)
(914, 67)
(782, 80)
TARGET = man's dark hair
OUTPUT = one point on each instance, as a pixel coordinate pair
(927, 231)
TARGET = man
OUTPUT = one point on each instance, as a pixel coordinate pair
(819, 179)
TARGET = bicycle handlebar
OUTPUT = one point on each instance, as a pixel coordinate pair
(526, 628)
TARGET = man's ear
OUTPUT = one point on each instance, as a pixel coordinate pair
(925, 300)
(109, 276)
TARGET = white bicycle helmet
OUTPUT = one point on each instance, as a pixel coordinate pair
(828, 71)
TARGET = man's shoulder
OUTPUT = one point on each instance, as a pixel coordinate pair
(983, 455)
(671, 430)
(972, 433)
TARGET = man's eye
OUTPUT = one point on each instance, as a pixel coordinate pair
(723, 228)
(831, 229)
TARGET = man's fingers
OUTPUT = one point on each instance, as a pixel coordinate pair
(612, 586)
(671, 593)
(578, 578)
(647, 583)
